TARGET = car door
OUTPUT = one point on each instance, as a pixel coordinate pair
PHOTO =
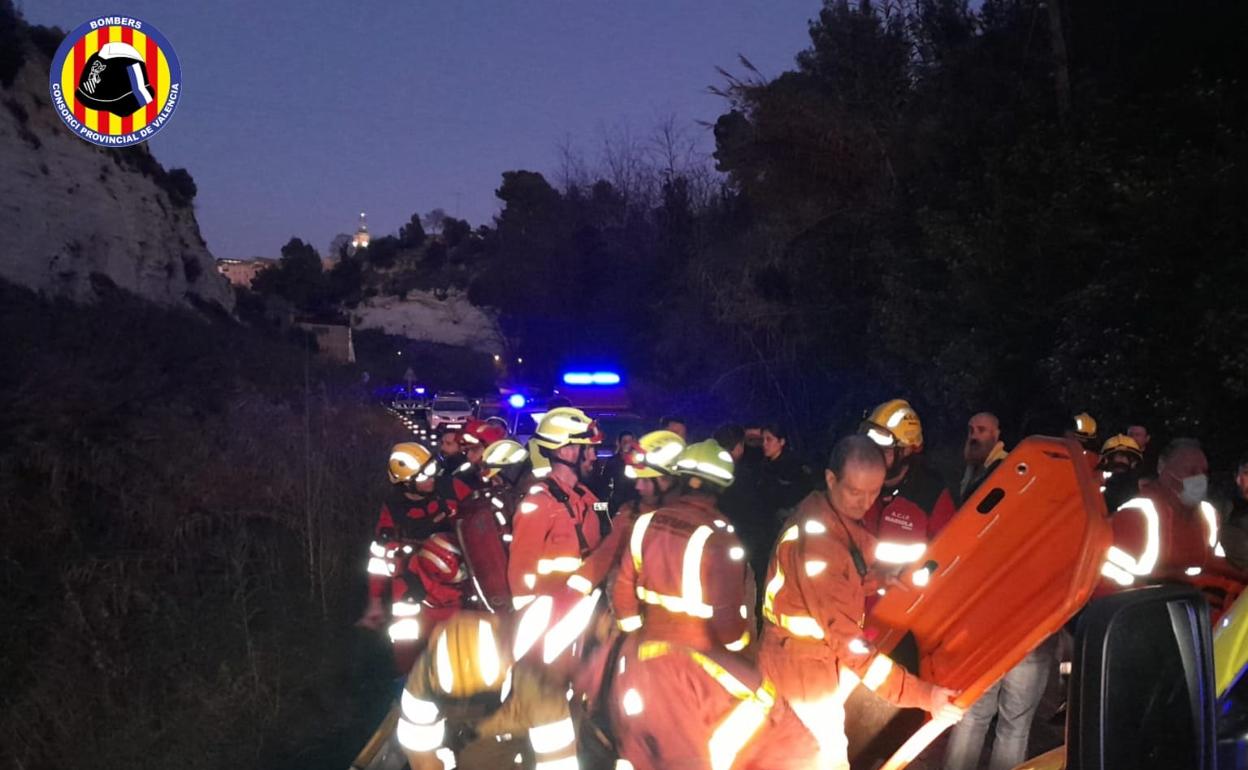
(1142, 683)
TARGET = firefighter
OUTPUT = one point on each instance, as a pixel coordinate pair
(674, 697)
(466, 702)
(813, 646)
(476, 436)
(559, 521)
(485, 519)
(1169, 531)
(414, 555)
(914, 504)
(451, 463)
(1120, 478)
(664, 576)
(650, 465)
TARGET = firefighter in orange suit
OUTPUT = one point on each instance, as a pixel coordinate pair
(813, 607)
(682, 556)
(675, 697)
(559, 521)
(651, 466)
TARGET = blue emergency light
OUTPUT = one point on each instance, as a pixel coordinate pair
(516, 400)
(420, 391)
(591, 378)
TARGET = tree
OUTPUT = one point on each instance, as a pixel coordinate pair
(412, 234)
(433, 220)
(298, 277)
(455, 231)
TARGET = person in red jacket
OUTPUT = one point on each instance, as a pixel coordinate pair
(413, 557)
(1169, 531)
(559, 521)
(914, 503)
(821, 569)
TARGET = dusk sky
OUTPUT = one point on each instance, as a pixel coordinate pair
(295, 115)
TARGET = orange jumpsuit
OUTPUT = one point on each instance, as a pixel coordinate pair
(673, 707)
(682, 560)
(551, 537)
(813, 609)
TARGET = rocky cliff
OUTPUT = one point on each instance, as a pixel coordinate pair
(75, 217)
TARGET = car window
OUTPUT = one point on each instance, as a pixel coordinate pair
(1147, 680)
(451, 406)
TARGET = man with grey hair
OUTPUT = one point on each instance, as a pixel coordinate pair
(1170, 531)
(982, 451)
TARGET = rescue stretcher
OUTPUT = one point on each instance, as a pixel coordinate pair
(1017, 561)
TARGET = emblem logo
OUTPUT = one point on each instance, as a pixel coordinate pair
(115, 81)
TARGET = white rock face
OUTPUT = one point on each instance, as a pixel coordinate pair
(422, 316)
(68, 210)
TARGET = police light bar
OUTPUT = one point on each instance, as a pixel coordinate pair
(591, 378)
(516, 400)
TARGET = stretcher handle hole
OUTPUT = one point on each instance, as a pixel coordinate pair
(991, 500)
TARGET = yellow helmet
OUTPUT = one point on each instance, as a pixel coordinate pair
(566, 425)
(467, 656)
(411, 461)
(502, 454)
(1085, 426)
(1121, 443)
(706, 460)
(893, 423)
(654, 456)
(541, 463)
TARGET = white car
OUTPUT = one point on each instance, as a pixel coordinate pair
(449, 414)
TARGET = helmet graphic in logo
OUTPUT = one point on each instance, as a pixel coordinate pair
(114, 79)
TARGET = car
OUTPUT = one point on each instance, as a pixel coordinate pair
(449, 413)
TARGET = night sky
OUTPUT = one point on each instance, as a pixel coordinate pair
(296, 115)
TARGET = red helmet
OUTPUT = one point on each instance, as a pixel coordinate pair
(441, 559)
(482, 433)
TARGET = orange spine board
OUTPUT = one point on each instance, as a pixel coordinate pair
(1017, 561)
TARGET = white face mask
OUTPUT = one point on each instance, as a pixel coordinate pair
(1195, 488)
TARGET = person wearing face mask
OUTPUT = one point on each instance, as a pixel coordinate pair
(1169, 531)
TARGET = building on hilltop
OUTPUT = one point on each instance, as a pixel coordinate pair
(361, 238)
(240, 272)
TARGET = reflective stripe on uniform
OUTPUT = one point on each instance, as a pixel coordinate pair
(560, 564)
(877, 672)
(580, 584)
(1211, 523)
(898, 553)
(552, 737)
(745, 719)
(379, 567)
(798, 625)
(416, 737)
(1123, 562)
(629, 624)
(638, 536)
